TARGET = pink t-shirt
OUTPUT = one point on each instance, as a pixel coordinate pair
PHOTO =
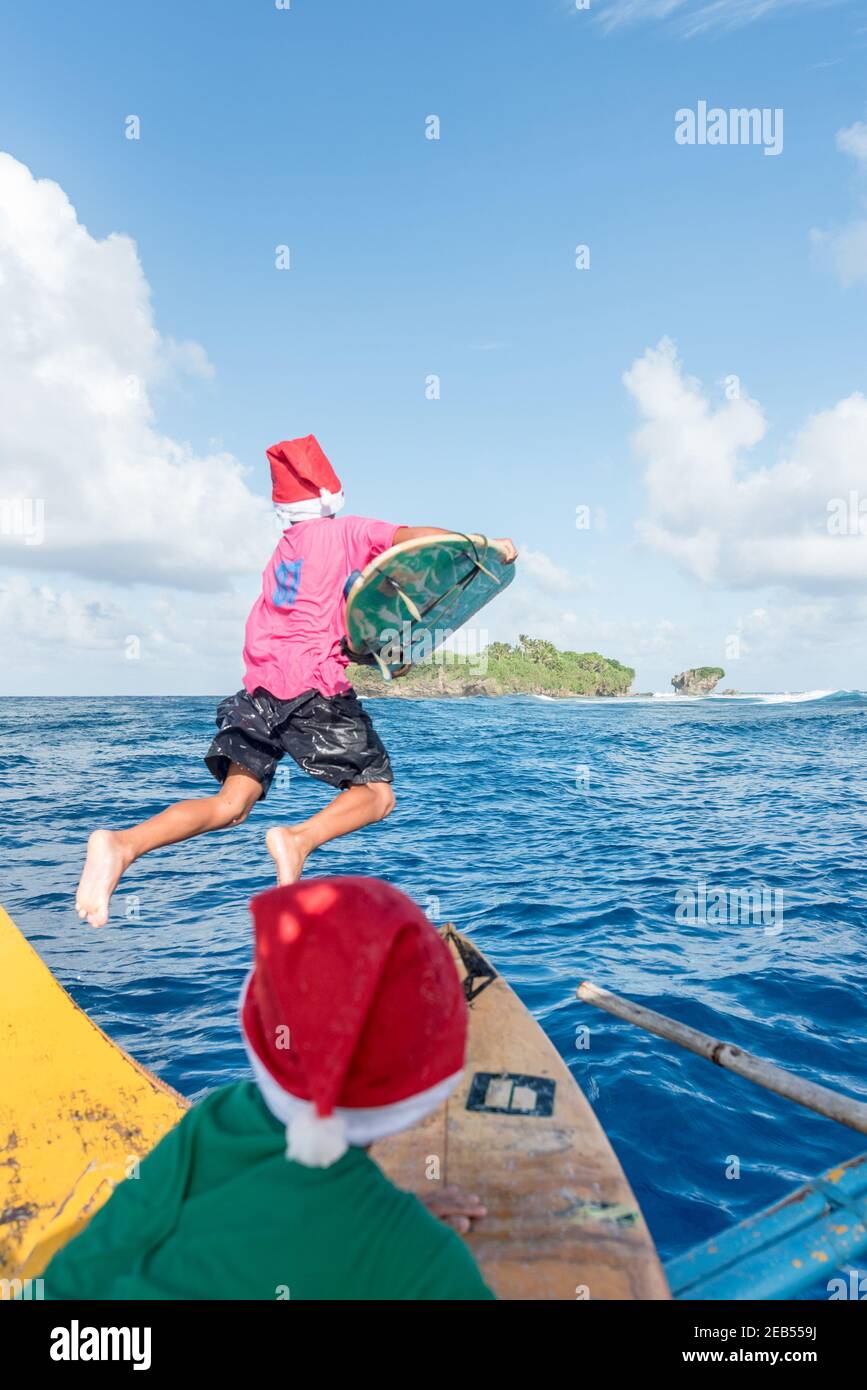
(292, 639)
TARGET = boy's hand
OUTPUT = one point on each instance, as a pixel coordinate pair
(456, 1208)
(508, 546)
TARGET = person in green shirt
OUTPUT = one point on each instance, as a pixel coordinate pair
(355, 1025)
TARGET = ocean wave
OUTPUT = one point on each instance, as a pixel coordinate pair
(742, 697)
(804, 697)
(770, 697)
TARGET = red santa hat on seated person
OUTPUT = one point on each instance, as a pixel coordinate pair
(353, 1016)
(303, 483)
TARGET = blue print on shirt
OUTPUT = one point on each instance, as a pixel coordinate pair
(288, 578)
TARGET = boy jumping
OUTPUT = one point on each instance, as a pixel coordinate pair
(295, 698)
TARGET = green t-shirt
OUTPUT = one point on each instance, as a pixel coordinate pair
(217, 1212)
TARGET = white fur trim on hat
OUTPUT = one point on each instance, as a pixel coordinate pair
(326, 504)
(314, 1141)
(318, 1141)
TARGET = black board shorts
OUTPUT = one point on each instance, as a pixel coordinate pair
(329, 736)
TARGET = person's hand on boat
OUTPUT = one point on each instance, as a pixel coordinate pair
(509, 549)
(456, 1208)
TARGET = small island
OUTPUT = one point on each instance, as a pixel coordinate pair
(531, 667)
(700, 680)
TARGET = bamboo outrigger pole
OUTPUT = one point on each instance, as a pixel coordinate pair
(819, 1098)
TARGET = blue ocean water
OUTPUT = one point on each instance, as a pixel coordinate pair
(559, 834)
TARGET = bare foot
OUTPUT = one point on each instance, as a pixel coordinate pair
(287, 850)
(106, 860)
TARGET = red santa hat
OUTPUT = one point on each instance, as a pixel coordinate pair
(304, 484)
(353, 1016)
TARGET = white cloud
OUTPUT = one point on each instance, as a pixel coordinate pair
(853, 140)
(41, 618)
(551, 578)
(692, 17)
(548, 600)
(803, 645)
(79, 352)
(786, 628)
(846, 248)
(87, 638)
(727, 519)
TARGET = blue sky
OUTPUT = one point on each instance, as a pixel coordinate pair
(455, 257)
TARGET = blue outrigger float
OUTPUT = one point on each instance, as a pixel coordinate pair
(814, 1234)
(788, 1247)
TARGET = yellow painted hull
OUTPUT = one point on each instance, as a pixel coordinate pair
(76, 1111)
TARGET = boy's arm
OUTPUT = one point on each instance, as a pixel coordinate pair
(415, 533)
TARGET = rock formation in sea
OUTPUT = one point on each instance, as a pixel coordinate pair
(698, 681)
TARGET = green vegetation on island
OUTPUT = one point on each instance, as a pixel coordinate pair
(534, 662)
(531, 667)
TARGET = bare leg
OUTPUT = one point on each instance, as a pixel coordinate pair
(110, 852)
(290, 845)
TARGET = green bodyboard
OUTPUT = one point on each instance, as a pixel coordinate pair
(409, 600)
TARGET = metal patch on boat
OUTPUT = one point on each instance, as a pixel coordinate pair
(511, 1093)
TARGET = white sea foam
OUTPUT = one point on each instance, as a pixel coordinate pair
(767, 697)
(794, 697)
(671, 697)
